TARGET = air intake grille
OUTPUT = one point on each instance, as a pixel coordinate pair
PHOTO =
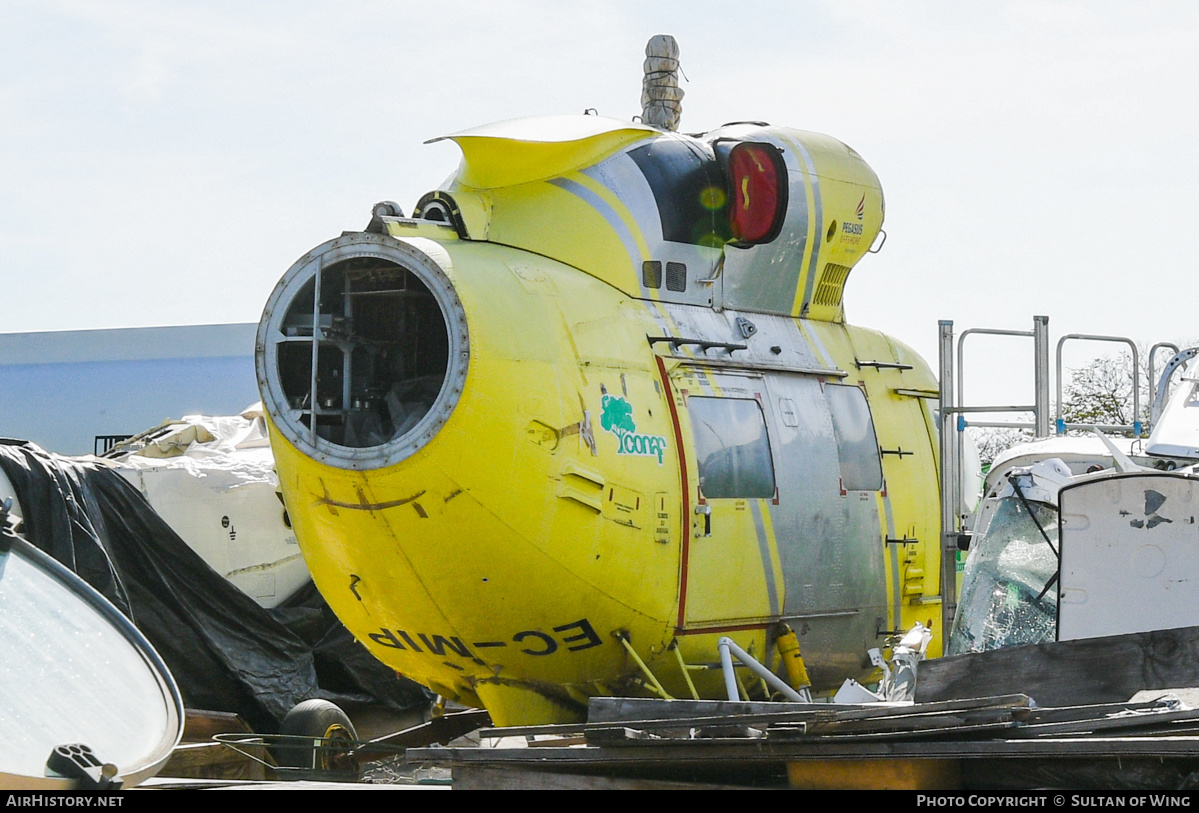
(832, 283)
(676, 277)
(651, 274)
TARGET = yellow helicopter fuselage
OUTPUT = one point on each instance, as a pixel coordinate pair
(594, 407)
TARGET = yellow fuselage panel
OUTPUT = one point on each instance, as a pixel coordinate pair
(612, 203)
(514, 152)
(506, 523)
(550, 218)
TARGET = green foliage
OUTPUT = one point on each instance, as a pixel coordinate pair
(991, 442)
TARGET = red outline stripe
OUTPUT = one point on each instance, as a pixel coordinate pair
(685, 528)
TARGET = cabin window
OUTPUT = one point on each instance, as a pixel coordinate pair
(732, 449)
(689, 188)
(857, 445)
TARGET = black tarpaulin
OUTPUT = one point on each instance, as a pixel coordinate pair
(226, 652)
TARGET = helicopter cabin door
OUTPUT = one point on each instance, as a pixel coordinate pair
(828, 526)
(783, 501)
(730, 568)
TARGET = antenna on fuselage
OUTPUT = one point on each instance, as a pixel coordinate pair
(661, 96)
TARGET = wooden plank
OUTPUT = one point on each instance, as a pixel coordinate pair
(212, 760)
(673, 727)
(923, 722)
(438, 730)
(673, 714)
(200, 725)
(696, 754)
(863, 735)
(1110, 726)
(558, 742)
(618, 736)
(673, 718)
(630, 709)
(549, 730)
(1010, 701)
(1111, 720)
(1067, 673)
(636, 709)
(1056, 714)
(479, 777)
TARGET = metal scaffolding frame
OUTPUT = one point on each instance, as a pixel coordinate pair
(953, 422)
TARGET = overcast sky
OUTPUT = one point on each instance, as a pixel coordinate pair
(164, 163)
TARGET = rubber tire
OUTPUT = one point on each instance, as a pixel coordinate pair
(316, 719)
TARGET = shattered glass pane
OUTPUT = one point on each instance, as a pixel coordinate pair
(1008, 567)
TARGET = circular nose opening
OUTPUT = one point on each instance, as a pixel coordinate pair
(362, 351)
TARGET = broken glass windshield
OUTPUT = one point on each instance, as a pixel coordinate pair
(1009, 565)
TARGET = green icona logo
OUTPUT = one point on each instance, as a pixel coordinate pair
(617, 417)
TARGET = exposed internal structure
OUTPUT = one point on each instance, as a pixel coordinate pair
(362, 352)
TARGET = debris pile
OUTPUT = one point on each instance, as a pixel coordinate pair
(1007, 741)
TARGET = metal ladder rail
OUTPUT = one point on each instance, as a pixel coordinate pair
(953, 423)
(1136, 427)
(1174, 350)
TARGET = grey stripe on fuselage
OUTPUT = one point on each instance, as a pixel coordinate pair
(772, 590)
(818, 213)
(609, 214)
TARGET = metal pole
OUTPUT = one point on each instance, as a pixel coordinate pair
(725, 645)
(1040, 329)
(726, 665)
(1163, 385)
(951, 482)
